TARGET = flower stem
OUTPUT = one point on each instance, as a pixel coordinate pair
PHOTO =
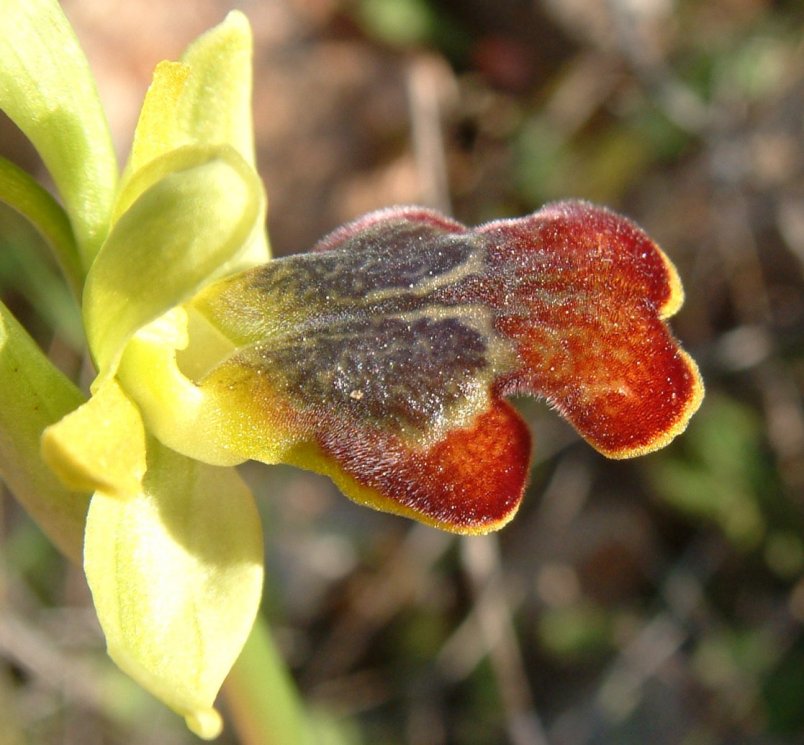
(262, 701)
(34, 395)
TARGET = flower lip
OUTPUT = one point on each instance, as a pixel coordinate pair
(371, 357)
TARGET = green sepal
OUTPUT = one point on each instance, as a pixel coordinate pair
(34, 395)
(176, 577)
(203, 100)
(181, 232)
(216, 106)
(47, 89)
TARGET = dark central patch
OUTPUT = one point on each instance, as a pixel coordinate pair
(406, 261)
(395, 372)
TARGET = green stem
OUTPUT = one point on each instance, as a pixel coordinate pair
(33, 395)
(26, 196)
(261, 697)
(47, 90)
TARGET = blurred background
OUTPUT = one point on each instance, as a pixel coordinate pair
(658, 600)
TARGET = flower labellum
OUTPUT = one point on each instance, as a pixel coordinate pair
(383, 357)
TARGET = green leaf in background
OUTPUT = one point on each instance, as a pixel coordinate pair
(48, 91)
(725, 476)
(22, 193)
(33, 395)
(29, 274)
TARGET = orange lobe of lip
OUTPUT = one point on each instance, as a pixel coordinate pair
(471, 481)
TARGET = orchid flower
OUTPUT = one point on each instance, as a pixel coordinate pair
(382, 358)
(172, 546)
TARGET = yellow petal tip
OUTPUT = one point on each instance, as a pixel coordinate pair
(206, 723)
(100, 445)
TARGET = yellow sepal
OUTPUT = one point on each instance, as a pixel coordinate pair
(100, 445)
